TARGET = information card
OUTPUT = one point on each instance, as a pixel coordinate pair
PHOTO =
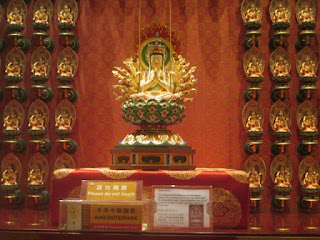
(182, 208)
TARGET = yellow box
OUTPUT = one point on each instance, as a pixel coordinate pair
(100, 215)
(111, 190)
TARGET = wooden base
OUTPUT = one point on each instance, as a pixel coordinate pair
(150, 157)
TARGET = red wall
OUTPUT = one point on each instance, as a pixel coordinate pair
(211, 33)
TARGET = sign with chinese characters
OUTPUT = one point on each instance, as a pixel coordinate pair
(182, 208)
(78, 215)
(111, 190)
(112, 217)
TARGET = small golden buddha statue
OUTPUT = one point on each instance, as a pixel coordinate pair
(12, 121)
(282, 178)
(64, 121)
(254, 68)
(9, 176)
(310, 179)
(65, 68)
(254, 122)
(254, 178)
(306, 14)
(280, 123)
(307, 68)
(281, 68)
(252, 13)
(281, 14)
(40, 68)
(15, 17)
(308, 122)
(41, 15)
(14, 68)
(37, 121)
(36, 176)
(66, 15)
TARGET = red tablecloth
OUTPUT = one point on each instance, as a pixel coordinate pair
(230, 188)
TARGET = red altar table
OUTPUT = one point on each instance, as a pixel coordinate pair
(230, 188)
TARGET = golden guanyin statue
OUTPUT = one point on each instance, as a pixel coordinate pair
(254, 122)
(282, 178)
(157, 82)
(12, 121)
(36, 175)
(65, 68)
(154, 85)
(37, 121)
(64, 121)
(308, 122)
(41, 15)
(281, 123)
(40, 68)
(9, 176)
(66, 15)
(15, 17)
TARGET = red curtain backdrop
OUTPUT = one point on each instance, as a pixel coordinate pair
(211, 33)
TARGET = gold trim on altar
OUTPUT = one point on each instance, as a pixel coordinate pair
(183, 175)
(116, 174)
(238, 175)
(61, 173)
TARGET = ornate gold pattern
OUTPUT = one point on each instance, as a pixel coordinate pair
(116, 174)
(226, 208)
(183, 175)
(147, 192)
(155, 138)
(238, 175)
(61, 173)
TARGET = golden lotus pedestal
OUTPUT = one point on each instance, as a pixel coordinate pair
(153, 150)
